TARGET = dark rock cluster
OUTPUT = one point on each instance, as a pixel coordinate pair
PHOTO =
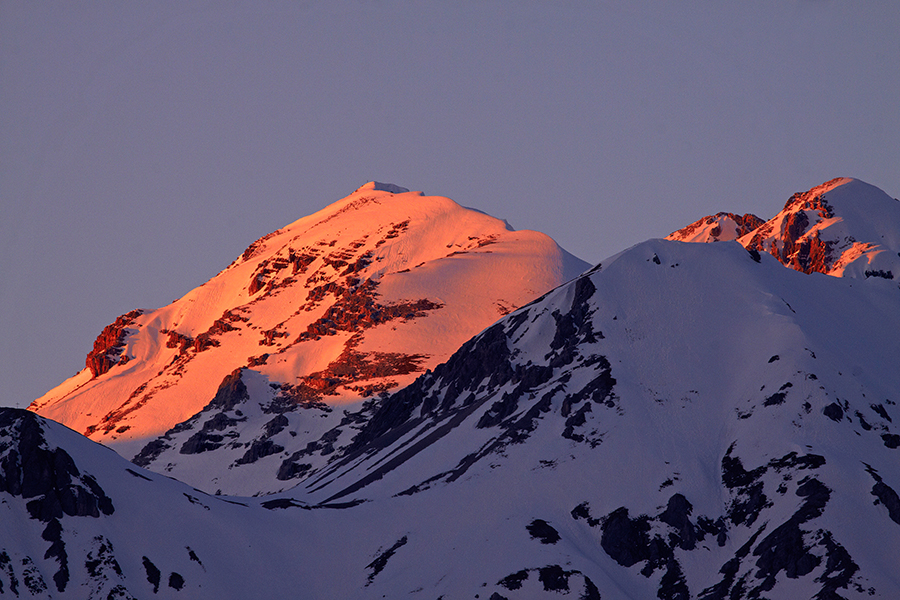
(109, 344)
(552, 578)
(772, 548)
(50, 483)
(799, 251)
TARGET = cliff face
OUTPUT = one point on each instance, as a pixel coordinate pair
(794, 236)
(109, 345)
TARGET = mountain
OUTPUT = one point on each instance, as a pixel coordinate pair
(683, 420)
(704, 433)
(844, 227)
(353, 300)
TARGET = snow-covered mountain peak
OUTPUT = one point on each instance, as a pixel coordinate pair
(678, 415)
(352, 300)
(383, 187)
(844, 227)
(806, 200)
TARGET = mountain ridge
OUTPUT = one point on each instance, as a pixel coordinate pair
(756, 503)
(817, 231)
(682, 420)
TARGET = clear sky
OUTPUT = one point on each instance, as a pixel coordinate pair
(144, 145)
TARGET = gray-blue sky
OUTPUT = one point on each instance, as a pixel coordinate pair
(144, 145)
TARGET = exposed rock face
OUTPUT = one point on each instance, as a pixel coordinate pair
(232, 392)
(109, 345)
(30, 470)
(656, 543)
(351, 370)
(541, 530)
(50, 483)
(356, 308)
(721, 226)
(796, 246)
(551, 578)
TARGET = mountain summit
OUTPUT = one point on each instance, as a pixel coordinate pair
(844, 227)
(355, 299)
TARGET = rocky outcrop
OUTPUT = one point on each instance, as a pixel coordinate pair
(771, 550)
(356, 308)
(232, 392)
(48, 478)
(799, 248)
(109, 344)
(50, 483)
(723, 226)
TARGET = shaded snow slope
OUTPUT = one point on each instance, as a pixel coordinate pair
(683, 421)
(81, 522)
(844, 227)
(350, 301)
(716, 426)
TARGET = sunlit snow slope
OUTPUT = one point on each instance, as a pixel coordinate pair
(350, 301)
